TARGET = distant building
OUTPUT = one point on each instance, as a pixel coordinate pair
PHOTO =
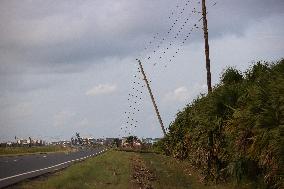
(109, 141)
(63, 143)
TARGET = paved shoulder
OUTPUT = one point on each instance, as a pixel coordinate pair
(18, 168)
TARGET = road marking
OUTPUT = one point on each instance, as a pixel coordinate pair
(15, 160)
(26, 173)
(44, 156)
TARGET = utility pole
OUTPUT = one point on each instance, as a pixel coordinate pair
(152, 97)
(205, 29)
(210, 133)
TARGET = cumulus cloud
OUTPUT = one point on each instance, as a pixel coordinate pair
(101, 89)
(52, 53)
(179, 94)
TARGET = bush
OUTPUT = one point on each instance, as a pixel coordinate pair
(235, 131)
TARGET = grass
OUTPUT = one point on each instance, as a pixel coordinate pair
(109, 171)
(114, 170)
(173, 174)
(7, 151)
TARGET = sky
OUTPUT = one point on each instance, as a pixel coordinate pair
(70, 66)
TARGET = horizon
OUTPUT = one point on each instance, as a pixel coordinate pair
(69, 67)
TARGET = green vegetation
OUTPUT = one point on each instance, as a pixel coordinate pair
(115, 169)
(234, 133)
(5, 151)
(173, 174)
(109, 170)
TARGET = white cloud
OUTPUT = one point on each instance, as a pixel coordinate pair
(101, 89)
(179, 94)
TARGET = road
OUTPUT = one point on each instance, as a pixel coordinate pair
(17, 168)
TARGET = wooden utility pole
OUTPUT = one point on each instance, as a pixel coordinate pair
(210, 133)
(152, 97)
(205, 29)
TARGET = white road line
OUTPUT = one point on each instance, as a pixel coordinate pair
(14, 176)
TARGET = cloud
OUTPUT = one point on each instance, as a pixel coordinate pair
(62, 118)
(179, 94)
(101, 89)
(52, 54)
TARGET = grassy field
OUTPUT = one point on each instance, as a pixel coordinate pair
(173, 174)
(115, 170)
(26, 150)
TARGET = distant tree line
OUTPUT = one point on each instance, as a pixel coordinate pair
(234, 132)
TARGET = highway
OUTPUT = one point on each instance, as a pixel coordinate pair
(17, 168)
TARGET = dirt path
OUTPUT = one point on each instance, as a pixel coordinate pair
(141, 176)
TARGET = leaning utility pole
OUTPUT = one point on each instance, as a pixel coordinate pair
(205, 29)
(152, 97)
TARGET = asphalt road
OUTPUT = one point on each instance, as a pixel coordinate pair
(17, 168)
